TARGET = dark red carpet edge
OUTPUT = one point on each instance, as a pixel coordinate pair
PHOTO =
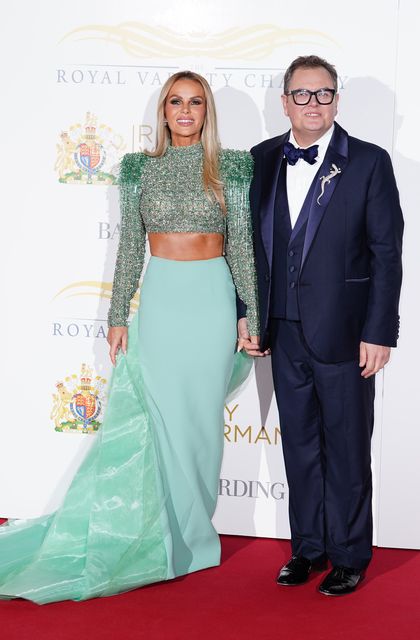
(237, 601)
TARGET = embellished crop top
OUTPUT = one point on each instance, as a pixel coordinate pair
(165, 195)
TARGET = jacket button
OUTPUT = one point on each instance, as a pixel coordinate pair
(292, 285)
(291, 254)
(292, 268)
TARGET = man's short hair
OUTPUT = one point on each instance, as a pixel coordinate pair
(309, 62)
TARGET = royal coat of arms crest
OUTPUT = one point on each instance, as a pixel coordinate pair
(89, 153)
(78, 402)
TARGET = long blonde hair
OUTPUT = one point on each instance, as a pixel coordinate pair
(213, 186)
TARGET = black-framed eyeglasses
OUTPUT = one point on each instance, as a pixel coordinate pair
(303, 96)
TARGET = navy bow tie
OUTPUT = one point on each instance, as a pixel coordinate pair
(293, 155)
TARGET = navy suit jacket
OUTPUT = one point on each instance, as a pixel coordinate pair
(350, 277)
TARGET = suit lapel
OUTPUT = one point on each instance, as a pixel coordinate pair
(337, 154)
(272, 164)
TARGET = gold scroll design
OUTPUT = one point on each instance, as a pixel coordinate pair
(252, 43)
(97, 289)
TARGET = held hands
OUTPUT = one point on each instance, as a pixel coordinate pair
(117, 339)
(251, 344)
(373, 357)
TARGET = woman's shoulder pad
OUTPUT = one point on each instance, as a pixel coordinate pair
(236, 164)
(131, 166)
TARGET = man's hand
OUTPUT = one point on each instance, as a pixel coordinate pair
(251, 344)
(117, 339)
(373, 357)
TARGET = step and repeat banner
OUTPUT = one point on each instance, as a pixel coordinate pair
(80, 88)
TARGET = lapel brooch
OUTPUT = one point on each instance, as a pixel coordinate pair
(334, 171)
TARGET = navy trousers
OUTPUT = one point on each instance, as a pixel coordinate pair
(326, 419)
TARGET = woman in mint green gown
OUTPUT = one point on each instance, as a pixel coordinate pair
(139, 508)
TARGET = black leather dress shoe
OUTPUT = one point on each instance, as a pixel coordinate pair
(340, 581)
(297, 571)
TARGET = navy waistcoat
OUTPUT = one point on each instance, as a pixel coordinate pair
(287, 250)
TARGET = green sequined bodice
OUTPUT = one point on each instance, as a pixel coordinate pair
(165, 195)
(172, 195)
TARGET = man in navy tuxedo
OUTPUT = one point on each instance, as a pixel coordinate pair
(328, 234)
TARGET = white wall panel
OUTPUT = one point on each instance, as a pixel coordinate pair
(59, 238)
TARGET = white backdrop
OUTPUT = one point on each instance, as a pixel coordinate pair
(81, 82)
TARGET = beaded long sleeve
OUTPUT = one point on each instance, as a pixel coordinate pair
(131, 248)
(236, 170)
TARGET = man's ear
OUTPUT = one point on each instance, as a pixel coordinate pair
(337, 98)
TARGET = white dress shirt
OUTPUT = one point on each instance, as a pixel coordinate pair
(299, 176)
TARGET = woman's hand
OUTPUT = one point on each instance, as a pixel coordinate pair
(251, 344)
(117, 339)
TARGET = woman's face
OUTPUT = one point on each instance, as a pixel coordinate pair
(185, 111)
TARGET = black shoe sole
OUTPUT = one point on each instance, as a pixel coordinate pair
(337, 595)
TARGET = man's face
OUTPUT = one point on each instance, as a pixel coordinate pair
(312, 120)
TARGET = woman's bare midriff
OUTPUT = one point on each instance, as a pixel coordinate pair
(186, 246)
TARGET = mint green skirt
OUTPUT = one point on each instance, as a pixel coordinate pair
(139, 508)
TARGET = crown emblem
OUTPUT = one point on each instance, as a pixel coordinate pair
(90, 127)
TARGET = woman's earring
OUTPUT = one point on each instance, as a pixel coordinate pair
(165, 122)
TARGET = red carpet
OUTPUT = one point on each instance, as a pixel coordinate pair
(238, 601)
